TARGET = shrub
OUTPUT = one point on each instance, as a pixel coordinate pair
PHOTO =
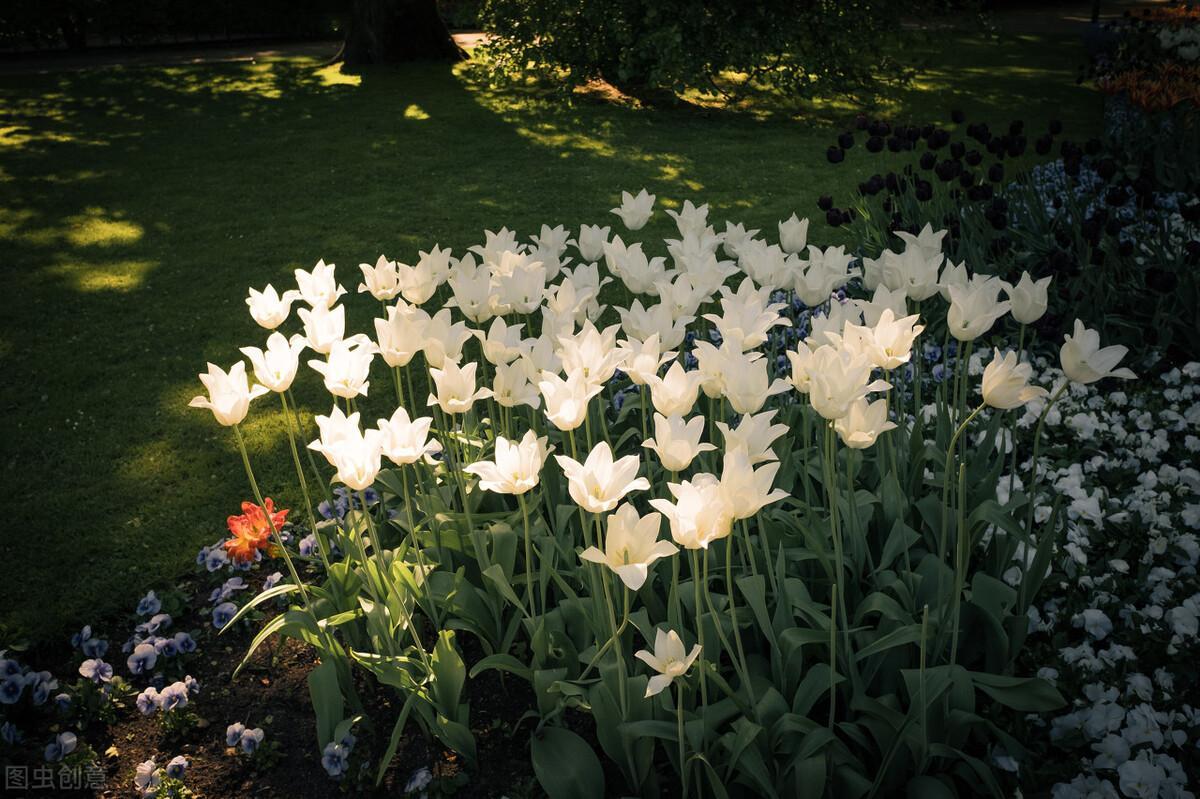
(805, 48)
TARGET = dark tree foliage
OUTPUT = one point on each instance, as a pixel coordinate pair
(800, 46)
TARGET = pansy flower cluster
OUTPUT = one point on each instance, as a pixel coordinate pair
(1119, 628)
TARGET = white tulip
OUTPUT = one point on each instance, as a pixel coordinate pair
(323, 327)
(755, 434)
(381, 280)
(454, 388)
(793, 234)
(400, 336)
(631, 546)
(1006, 382)
(517, 466)
(270, 309)
(676, 392)
(700, 513)
(347, 367)
(1029, 298)
(1085, 361)
(975, 308)
(229, 393)
(599, 483)
(319, 288)
(591, 242)
(404, 441)
(634, 211)
(276, 366)
(566, 400)
(863, 423)
(668, 659)
(676, 441)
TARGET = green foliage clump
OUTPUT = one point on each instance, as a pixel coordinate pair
(807, 48)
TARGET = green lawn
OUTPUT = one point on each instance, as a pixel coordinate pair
(136, 206)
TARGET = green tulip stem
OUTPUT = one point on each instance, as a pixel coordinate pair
(683, 769)
(944, 533)
(612, 639)
(529, 596)
(312, 461)
(308, 506)
(699, 619)
(1037, 446)
(416, 540)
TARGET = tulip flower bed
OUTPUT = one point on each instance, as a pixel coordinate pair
(824, 613)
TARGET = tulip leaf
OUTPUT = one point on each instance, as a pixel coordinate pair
(449, 674)
(501, 662)
(901, 636)
(327, 701)
(1023, 694)
(270, 593)
(394, 739)
(291, 622)
(565, 765)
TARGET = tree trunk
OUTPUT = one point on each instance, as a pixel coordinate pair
(73, 29)
(387, 31)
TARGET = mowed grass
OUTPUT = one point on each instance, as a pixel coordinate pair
(136, 206)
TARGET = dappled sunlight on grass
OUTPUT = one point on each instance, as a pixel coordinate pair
(93, 228)
(415, 111)
(332, 75)
(118, 276)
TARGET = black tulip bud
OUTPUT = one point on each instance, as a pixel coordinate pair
(835, 155)
(833, 217)
(996, 173)
(824, 202)
(875, 144)
(894, 144)
(958, 149)
(846, 140)
(928, 160)
(973, 158)
(923, 190)
(861, 122)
